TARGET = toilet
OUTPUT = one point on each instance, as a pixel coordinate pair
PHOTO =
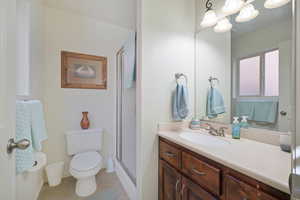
(84, 146)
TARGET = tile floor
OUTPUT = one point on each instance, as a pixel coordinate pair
(109, 188)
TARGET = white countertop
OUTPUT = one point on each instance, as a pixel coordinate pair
(263, 162)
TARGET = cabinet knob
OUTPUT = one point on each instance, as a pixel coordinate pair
(198, 172)
(169, 154)
(177, 183)
(182, 189)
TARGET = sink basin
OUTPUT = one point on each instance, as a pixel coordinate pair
(204, 139)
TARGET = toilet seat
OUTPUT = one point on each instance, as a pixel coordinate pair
(86, 161)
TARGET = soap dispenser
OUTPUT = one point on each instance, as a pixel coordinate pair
(236, 129)
(244, 122)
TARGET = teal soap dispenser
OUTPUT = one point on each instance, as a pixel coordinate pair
(236, 129)
(244, 122)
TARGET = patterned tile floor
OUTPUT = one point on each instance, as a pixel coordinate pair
(109, 188)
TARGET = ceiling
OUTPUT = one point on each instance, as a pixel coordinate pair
(265, 17)
(118, 12)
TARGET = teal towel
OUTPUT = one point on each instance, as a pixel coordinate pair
(245, 108)
(38, 128)
(180, 106)
(215, 103)
(129, 60)
(24, 158)
(256, 110)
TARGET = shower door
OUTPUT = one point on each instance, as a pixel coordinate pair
(126, 120)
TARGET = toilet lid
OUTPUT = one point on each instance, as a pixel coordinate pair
(85, 161)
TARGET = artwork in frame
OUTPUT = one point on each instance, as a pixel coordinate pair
(83, 71)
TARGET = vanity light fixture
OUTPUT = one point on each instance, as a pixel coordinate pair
(232, 6)
(275, 3)
(223, 25)
(247, 13)
(210, 17)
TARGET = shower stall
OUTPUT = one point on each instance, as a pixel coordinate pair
(126, 117)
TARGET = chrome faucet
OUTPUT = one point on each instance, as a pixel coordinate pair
(216, 132)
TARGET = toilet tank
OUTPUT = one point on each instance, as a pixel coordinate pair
(84, 140)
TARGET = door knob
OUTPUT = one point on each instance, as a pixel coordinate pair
(22, 144)
(283, 113)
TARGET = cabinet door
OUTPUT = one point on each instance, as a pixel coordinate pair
(265, 196)
(236, 189)
(169, 182)
(192, 191)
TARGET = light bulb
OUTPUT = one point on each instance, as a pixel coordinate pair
(275, 3)
(223, 25)
(247, 13)
(209, 19)
(232, 6)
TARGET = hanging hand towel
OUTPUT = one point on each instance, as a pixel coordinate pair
(258, 110)
(24, 158)
(38, 128)
(215, 103)
(130, 61)
(180, 106)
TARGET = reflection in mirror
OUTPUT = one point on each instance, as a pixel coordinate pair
(253, 65)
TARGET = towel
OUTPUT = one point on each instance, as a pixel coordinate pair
(24, 158)
(215, 103)
(38, 128)
(130, 61)
(180, 108)
(258, 110)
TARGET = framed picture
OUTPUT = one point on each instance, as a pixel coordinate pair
(83, 71)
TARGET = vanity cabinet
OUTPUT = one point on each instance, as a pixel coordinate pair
(185, 175)
(170, 182)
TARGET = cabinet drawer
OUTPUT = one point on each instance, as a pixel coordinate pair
(170, 154)
(201, 172)
(238, 190)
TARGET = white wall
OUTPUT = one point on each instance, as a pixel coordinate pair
(166, 46)
(261, 39)
(119, 12)
(68, 31)
(29, 184)
(213, 59)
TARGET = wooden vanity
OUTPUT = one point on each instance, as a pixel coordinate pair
(185, 175)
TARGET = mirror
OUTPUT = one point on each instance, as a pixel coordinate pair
(250, 68)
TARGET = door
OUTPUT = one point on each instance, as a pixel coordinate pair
(192, 191)
(7, 96)
(237, 190)
(285, 93)
(126, 119)
(169, 182)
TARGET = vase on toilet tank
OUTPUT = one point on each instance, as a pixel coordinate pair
(85, 123)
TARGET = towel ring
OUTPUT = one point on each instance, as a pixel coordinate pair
(211, 79)
(179, 75)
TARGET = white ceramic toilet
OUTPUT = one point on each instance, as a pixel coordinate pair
(84, 146)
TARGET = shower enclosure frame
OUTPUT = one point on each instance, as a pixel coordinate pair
(119, 109)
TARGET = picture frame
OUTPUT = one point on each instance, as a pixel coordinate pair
(83, 71)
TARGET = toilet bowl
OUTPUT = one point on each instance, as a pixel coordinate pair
(84, 146)
(84, 167)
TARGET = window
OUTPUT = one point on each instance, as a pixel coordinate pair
(259, 75)
(23, 48)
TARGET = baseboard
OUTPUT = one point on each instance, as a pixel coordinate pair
(128, 185)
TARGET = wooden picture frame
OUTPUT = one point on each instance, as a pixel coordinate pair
(83, 71)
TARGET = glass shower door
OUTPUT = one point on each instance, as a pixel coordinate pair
(126, 120)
